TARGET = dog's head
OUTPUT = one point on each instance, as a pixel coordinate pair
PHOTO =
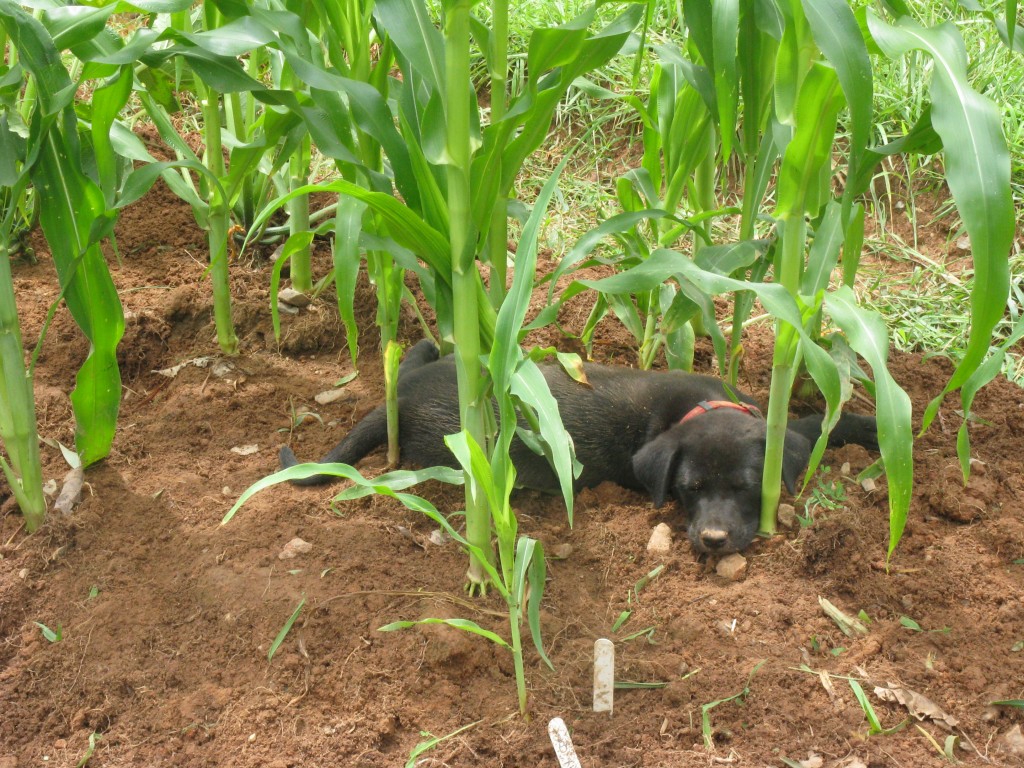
(712, 466)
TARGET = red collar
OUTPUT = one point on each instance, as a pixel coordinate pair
(709, 405)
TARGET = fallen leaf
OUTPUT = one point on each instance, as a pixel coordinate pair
(919, 705)
(71, 492)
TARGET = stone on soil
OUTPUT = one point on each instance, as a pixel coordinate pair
(294, 547)
(661, 540)
(732, 567)
(293, 298)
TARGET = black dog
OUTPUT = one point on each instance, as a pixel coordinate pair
(669, 433)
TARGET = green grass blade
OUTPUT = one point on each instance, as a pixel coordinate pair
(285, 630)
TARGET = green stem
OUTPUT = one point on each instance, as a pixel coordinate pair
(783, 371)
(17, 407)
(298, 217)
(219, 224)
(465, 280)
(784, 366)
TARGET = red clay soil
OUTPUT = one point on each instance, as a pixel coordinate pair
(167, 616)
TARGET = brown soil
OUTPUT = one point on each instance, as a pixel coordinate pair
(167, 616)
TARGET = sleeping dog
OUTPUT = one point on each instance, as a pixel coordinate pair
(670, 434)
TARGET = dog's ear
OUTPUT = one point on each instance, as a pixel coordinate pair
(795, 455)
(655, 464)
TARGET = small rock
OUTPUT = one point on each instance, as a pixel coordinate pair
(294, 547)
(845, 469)
(23, 574)
(732, 567)
(226, 490)
(293, 298)
(245, 450)
(437, 537)
(288, 309)
(50, 487)
(561, 551)
(867, 484)
(1013, 740)
(330, 396)
(787, 516)
(661, 540)
(963, 243)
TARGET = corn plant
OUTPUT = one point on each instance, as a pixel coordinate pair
(453, 173)
(815, 57)
(43, 147)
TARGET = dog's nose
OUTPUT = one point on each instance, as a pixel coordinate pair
(714, 538)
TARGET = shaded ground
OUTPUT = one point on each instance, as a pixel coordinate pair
(167, 616)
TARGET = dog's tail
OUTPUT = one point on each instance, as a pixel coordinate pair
(364, 437)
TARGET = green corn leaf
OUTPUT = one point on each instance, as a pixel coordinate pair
(71, 206)
(464, 624)
(529, 386)
(725, 16)
(806, 171)
(74, 24)
(401, 479)
(414, 34)
(39, 56)
(838, 35)
(977, 171)
(867, 335)
(537, 576)
(985, 372)
(824, 252)
(408, 229)
(107, 102)
(348, 223)
(552, 47)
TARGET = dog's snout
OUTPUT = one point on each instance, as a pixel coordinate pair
(714, 538)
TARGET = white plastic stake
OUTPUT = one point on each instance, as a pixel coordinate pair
(604, 675)
(562, 742)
